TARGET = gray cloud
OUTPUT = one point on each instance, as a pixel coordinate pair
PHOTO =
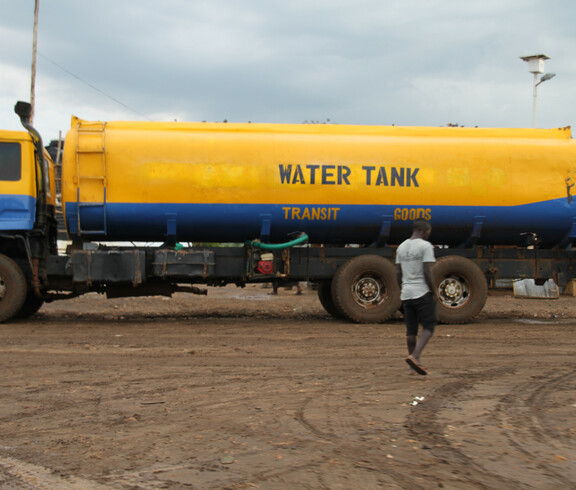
(405, 62)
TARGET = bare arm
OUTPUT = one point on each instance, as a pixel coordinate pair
(399, 275)
(429, 277)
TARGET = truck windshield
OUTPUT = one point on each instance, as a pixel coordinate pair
(10, 161)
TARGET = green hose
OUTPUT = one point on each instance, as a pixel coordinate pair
(278, 246)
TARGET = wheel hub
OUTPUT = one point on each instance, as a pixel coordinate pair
(367, 290)
(453, 292)
(452, 289)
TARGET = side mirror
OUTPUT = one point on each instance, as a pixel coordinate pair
(23, 109)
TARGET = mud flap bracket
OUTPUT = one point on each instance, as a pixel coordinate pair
(475, 233)
(265, 227)
(384, 232)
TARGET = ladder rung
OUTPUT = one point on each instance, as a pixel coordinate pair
(84, 129)
(92, 177)
(91, 204)
(94, 232)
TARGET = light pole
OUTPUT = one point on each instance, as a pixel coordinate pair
(536, 67)
(34, 47)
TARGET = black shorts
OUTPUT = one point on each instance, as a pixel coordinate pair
(420, 311)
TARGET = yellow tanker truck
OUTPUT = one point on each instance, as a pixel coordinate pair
(319, 203)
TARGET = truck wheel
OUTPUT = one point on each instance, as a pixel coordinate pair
(31, 305)
(13, 288)
(365, 289)
(326, 300)
(461, 287)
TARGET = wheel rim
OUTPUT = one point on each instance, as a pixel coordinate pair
(453, 292)
(2, 288)
(369, 292)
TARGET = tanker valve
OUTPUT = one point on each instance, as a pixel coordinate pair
(266, 264)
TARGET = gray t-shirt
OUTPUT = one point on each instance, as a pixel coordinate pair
(411, 255)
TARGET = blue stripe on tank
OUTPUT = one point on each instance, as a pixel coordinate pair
(335, 223)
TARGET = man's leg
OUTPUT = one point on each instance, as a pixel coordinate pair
(427, 317)
(411, 319)
(413, 360)
(424, 338)
(411, 343)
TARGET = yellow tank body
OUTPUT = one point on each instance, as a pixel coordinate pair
(339, 184)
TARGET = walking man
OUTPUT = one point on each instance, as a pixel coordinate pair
(414, 259)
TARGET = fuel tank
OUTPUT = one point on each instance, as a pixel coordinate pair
(340, 184)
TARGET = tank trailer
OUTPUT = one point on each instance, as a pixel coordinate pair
(325, 204)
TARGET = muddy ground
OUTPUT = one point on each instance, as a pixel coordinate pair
(242, 390)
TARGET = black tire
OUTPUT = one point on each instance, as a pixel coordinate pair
(31, 305)
(461, 288)
(326, 300)
(365, 289)
(13, 288)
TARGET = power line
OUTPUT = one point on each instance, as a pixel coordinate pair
(93, 87)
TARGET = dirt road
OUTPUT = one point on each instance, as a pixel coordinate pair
(241, 389)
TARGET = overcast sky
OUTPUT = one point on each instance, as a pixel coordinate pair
(402, 62)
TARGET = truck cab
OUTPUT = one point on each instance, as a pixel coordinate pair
(27, 220)
(18, 182)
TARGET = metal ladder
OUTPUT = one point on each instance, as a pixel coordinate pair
(91, 177)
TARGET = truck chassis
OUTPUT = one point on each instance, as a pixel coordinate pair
(354, 283)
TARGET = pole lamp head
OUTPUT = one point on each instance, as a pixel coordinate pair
(535, 62)
(546, 77)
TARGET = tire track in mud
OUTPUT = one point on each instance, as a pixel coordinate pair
(423, 424)
(348, 440)
(18, 475)
(516, 417)
(324, 413)
(340, 450)
(538, 440)
(530, 437)
(248, 470)
(213, 474)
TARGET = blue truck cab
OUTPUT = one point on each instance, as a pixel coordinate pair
(17, 182)
(28, 227)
